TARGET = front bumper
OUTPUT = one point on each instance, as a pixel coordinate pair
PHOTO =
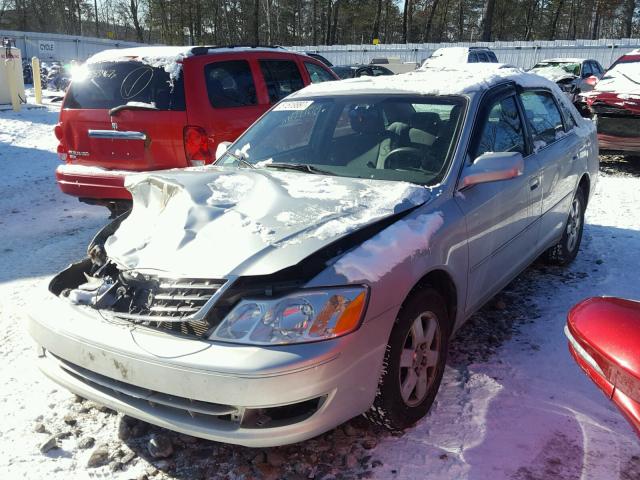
(180, 383)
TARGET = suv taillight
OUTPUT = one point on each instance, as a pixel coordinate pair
(196, 145)
(62, 150)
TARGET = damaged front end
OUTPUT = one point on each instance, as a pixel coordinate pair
(618, 122)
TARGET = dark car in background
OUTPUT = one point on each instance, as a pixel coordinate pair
(154, 108)
(353, 71)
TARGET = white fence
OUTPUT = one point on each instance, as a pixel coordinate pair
(51, 46)
(521, 54)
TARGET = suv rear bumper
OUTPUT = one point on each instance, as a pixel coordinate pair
(92, 182)
(171, 380)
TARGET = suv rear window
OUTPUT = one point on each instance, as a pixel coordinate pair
(111, 84)
(282, 78)
(230, 84)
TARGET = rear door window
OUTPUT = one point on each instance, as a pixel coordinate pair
(543, 116)
(482, 57)
(282, 78)
(317, 74)
(110, 84)
(502, 130)
(230, 84)
(492, 57)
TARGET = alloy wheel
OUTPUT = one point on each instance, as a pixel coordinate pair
(419, 358)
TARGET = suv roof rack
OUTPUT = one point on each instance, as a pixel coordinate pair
(479, 48)
(203, 50)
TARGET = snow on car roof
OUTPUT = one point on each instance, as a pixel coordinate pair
(168, 58)
(445, 80)
(567, 60)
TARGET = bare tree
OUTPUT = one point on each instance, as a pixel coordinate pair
(487, 19)
(629, 9)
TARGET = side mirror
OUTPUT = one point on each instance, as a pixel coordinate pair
(221, 149)
(492, 166)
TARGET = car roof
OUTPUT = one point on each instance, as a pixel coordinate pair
(167, 53)
(568, 60)
(469, 78)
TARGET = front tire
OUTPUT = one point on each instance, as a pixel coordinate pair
(414, 362)
(565, 251)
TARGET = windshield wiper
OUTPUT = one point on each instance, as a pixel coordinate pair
(240, 159)
(119, 108)
(298, 167)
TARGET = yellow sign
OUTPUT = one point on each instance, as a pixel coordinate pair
(376, 41)
(110, 34)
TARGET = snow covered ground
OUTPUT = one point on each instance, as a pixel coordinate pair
(513, 405)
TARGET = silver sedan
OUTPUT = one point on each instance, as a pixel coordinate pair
(318, 270)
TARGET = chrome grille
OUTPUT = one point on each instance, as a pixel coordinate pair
(176, 304)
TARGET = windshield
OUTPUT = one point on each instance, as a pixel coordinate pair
(570, 67)
(111, 84)
(379, 137)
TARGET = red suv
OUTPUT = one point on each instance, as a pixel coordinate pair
(155, 108)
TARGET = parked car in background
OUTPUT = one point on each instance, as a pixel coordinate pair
(453, 55)
(321, 58)
(604, 339)
(614, 104)
(353, 71)
(154, 108)
(394, 64)
(573, 75)
(319, 268)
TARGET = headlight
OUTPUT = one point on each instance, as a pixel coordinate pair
(300, 317)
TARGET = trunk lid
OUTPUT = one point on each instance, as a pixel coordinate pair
(125, 116)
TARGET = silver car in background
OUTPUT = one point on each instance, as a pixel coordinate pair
(319, 269)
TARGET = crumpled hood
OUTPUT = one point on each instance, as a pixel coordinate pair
(555, 74)
(214, 222)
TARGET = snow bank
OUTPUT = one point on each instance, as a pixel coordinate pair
(379, 255)
(167, 58)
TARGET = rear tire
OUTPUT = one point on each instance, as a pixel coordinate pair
(413, 363)
(567, 248)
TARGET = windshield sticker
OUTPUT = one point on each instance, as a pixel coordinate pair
(293, 105)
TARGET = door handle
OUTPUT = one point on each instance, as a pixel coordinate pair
(535, 183)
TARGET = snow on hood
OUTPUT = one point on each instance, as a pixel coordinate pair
(167, 58)
(216, 222)
(623, 78)
(555, 74)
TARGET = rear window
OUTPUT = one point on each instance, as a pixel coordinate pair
(111, 84)
(282, 78)
(230, 84)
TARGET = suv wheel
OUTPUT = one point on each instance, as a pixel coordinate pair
(567, 248)
(414, 362)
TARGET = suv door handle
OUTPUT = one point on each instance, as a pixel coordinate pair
(534, 183)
